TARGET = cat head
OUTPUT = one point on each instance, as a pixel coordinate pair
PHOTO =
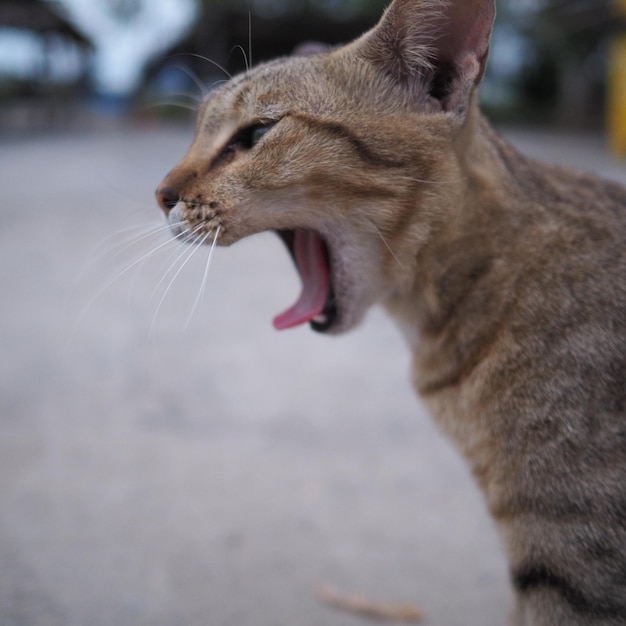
(348, 154)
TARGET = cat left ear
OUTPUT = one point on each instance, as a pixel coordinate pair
(438, 45)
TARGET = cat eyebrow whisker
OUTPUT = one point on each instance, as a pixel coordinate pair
(221, 81)
(202, 290)
(195, 78)
(197, 99)
(243, 54)
(250, 37)
(171, 103)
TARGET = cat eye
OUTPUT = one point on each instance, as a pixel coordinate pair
(257, 133)
(248, 137)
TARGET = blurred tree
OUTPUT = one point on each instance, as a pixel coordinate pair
(548, 56)
(563, 74)
(232, 33)
(43, 65)
(126, 34)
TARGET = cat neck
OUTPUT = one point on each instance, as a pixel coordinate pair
(464, 273)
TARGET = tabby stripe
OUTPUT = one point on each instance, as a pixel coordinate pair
(338, 130)
(531, 578)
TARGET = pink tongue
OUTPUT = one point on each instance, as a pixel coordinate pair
(310, 255)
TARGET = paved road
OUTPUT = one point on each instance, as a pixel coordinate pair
(211, 473)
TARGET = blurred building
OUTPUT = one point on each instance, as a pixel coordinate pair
(44, 64)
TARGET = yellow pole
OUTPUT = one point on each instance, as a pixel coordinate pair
(617, 89)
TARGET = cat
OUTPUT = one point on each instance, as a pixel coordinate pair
(507, 277)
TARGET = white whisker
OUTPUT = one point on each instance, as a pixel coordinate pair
(203, 58)
(97, 255)
(121, 273)
(194, 77)
(243, 53)
(195, 247)
(178, 256)
(397, 260)
(218, 82)
(171, 240)
(186, 94)
(250, 37)
(121, 246)
(166, 103)
(202, 289)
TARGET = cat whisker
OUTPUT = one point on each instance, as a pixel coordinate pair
(243, 53)
(124, 245)
(171, 103)
(424, 181)
(203, 58)
(382, 238)
(189, 237)
(195, 78)
(97, 255)
(127, 269)
(195, 98)
(250, 37)
(202, 289)
(87, 307)
(166, 266)
(217, 82)
(195, 246)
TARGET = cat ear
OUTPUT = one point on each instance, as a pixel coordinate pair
(437, 45)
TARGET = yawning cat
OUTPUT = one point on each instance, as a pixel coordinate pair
(507, 277)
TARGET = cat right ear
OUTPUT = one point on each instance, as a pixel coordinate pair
(440, 46)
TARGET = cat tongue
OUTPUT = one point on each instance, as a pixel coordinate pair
(310, 257)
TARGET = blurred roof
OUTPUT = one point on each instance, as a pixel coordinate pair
(38, 16)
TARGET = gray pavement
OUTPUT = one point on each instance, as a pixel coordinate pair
(154, 472)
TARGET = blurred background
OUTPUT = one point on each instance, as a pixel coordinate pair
(552, 61)
(166, 457)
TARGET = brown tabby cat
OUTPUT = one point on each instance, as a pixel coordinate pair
(508, 277)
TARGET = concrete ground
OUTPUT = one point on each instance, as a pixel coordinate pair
(211, 473)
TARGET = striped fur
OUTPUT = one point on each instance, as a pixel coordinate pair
(508, 277)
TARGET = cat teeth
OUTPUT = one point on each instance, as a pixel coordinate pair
(320, 319)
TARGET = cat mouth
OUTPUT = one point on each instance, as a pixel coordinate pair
(316, 304)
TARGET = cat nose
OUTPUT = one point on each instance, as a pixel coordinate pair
(167, 198)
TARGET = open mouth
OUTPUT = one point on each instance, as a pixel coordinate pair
(316, 303)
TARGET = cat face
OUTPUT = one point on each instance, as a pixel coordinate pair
(341, 154)
(286, 148)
